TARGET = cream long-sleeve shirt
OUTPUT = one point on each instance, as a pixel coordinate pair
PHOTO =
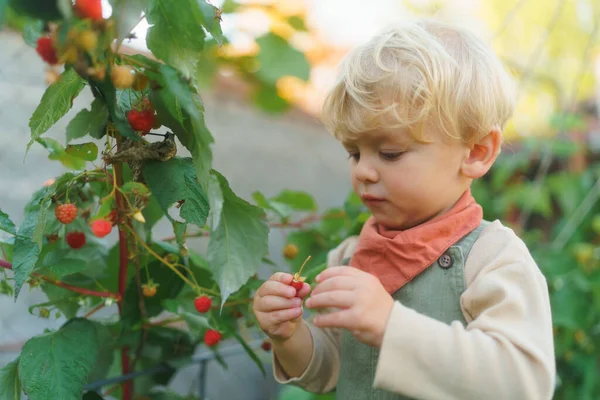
(506, 350)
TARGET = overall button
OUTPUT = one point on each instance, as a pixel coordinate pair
(446, 261)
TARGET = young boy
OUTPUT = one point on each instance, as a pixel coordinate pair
(436, 303)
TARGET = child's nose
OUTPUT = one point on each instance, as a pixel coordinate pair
(365, 171)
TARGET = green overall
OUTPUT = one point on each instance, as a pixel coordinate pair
(435, 292)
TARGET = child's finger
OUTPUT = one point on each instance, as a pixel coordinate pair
(335, 271)
(275, 288)
(277, 318)
(275, 303)
(333, 299)
(304, 291)
(282, 277)
(336, 283)
(336, 319)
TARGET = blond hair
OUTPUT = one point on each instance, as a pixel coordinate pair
(418, 73)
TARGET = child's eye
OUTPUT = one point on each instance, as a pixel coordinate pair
(355, 156)
(390, 156)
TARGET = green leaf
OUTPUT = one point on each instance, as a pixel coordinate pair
(301, 201)
(282, 210)
(127, 14)
(174, 180)
(32, 31)
(57, 152)
(211, 21)
(56, 102)
(64, 266)
(251, 353)
(197, 324)
(180, 108)
(91, 122)
(10, 385)
(26, 251)
(107, 92)
(44, 10)
(215, 200)
(174, 36)
(278, 59)
(267, 98)
(106, 351)
(85, 151)
(6, 224)
(38, 232)
(297, 23)
(51, 363)
(238, 243)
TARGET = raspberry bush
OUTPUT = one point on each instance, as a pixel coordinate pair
(86, 237)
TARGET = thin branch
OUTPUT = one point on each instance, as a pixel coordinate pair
(141, 305)
(509, 16)
(93, 310)
(75, 289)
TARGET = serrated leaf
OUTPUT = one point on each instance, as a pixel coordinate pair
(10, 384)
(237, 245)
(174, 180)
(181, 109)
(117, 114)
(26, 251)
(38, 232)
(127, 14)
(301, 201)
(211, 20)
(175, 37)
(58, 153)
(6, 224)
(50, 363)
(90, 122)
(56, 102)
(278, 59)
(32, 31)
(282, 210)
(84, 151)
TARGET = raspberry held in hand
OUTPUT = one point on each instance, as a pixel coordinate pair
(75, 240)
(203, 304)
(65, 213)
(101, 227)
(212, 337)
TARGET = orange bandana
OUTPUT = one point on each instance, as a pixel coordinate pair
(396, 257)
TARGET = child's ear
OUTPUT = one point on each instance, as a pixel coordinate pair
(482, 155)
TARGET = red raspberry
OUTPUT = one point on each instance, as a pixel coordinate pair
(66, 213)
(45, 49)
(212, 337)
(75, 239)
(141, 120)
(297, 285)
(203, 303)
(101, 227)
(266, 345)
(91, 9)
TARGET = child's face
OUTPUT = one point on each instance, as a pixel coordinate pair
(403, 182)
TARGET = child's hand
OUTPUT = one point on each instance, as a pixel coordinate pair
(277, 307)
(363, 302)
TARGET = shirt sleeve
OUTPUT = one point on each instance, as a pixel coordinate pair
(505, 351)
(322, 373)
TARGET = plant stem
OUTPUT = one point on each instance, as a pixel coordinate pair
(93, 310)
(75, 289)
(123, 264)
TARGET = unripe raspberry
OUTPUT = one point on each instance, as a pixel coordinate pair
(87, 40)
(122, 77)
(290, 251)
